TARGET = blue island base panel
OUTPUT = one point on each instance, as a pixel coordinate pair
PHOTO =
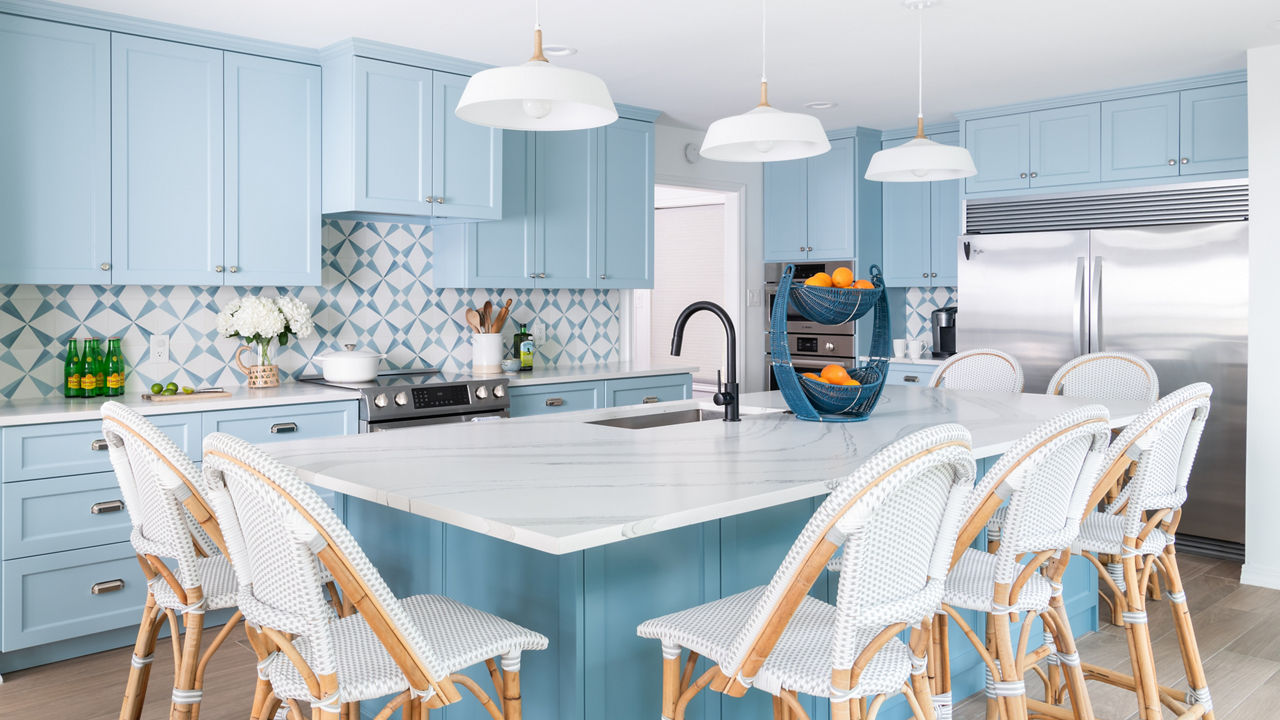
(589, 604)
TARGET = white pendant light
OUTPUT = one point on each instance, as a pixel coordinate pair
(536, 95)
(920, 159)
(764, 134)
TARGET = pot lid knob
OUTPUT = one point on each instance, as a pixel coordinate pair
(350, 346)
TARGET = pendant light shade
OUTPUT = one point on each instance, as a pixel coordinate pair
(536, 96)
(920, 159)
(765, 133)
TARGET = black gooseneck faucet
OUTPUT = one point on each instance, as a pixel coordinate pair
(727, 394)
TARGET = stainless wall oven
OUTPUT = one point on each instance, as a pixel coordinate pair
(812, 346)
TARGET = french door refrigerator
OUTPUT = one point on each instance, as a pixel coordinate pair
(1175, 295)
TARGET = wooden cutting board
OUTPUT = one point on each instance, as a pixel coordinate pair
(181, 396)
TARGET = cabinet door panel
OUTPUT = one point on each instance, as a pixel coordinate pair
(55, 148)
(166, 163)
(830, 187)
(1001, 151)
(1215, 129)
(392, 129)
(906, 231)
(944, 224)
(503, 251)
(466, 158)
(1140, 137)
(273, 171)
(624, 255)
(565, 190)
(1065, 146)
(785, 223)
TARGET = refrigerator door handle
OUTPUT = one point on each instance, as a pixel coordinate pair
(1095, 309)
(1082, 337)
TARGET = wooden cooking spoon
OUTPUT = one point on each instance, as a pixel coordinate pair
(486, 315)
(473, 319)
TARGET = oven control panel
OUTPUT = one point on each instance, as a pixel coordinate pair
(444, 396)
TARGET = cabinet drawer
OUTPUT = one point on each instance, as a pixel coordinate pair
(55, 514)
(645, 390)
(48, 598)
(897, 376)
(42, 451)
(293, 422)
(562, 397)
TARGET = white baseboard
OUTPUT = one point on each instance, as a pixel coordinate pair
(1255, 574)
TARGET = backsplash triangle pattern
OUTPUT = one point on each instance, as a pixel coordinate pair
(377, 292)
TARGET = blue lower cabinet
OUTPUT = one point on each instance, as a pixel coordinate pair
(648, 390)
(29, 452)
(1215, 129)
(65, 513)
(907, 374)
(286, 422)
(556, 397)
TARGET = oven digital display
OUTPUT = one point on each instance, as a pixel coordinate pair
(807, 344)
(435, 397)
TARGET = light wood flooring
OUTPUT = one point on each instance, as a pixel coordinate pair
(1238, 629)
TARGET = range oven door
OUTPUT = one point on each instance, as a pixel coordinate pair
(435, 420)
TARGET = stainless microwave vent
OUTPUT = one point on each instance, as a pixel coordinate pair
(1175, 205)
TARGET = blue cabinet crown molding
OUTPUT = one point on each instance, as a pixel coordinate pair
(116, 22)
(1191, 83)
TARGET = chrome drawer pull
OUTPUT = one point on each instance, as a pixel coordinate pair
(911, 378)
(555, 402)
(98, 445)
(108, 506)
(650, 400)
(106, 586)
(284, 428)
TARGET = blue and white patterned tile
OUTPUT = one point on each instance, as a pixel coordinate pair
(921, 302)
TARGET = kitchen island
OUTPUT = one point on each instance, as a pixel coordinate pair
(581, 530)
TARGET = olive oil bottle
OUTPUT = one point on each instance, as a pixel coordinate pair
(522, 347)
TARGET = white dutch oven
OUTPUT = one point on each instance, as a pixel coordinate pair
(350, 365)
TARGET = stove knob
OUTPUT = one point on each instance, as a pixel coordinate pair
(381, 400)
(499, 391)
(402, 398)
(482, 392)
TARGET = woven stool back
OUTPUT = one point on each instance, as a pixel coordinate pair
(1106, 376)
(983, 369)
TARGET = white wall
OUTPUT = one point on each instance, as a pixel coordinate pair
(672, 168)
(1262, 464)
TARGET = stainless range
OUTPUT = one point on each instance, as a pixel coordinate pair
(408, 398)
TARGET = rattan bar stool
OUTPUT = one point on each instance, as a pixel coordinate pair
(279, 534)
(1046, 478)
(896, 519)
(171, 520)
(1106, 376)
(983, 369)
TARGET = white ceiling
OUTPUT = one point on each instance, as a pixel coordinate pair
(699, 59)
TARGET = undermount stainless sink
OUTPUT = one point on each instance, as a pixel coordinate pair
(673, 417)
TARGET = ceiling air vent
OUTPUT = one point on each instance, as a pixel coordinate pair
(1174, 205)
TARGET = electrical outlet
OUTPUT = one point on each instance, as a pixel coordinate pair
(539, 330)
(159, 349)
(755, 297)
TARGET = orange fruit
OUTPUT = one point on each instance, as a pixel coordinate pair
(850, 381)
(842, 277)
(813, 376)
(820, 280)
(863, 285)
(835, 374)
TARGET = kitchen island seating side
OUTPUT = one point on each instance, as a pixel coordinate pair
(280, 533)
(1106, 376)
(1047, 479)
(895, 518)
(983, 369)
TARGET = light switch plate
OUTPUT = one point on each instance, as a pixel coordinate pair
(159, 349)
(755, 297)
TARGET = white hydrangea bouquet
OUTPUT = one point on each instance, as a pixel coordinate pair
(258, 321)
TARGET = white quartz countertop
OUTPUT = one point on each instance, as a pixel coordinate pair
(57, 409)
(542, 375)
(560, 484)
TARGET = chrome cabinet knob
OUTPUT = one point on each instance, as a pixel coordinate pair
(925, 275)
(105, 266)
(1185, 160)
(1173, 162)
(439, 200)
(1035, 174)
(801, 248)
(482, 392)
(809, 249)
(1022, 175)
(603, 276)
(380, 400)
(499, 391)
(217, 268)
(933, 274)
(402, 398)
(533, 276)
(233, 269)
(542, 275)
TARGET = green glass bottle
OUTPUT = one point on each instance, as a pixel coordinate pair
(71, 370)
(115, 368)
(99, 369)
(88, 374)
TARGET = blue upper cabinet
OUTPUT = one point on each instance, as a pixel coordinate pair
(166, 163)
(272, 169)
(944, 230)
(1065, 146)
(624, 243)
(55, 148)
(830, 200)
(1001, 149)
(1215, 129)
(907, 239)
(565, 192)
(786, 234)
(466, 175)
(392, 138)
(1140, 137)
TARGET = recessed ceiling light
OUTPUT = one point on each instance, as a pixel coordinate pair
(559, 50)
(821, 104)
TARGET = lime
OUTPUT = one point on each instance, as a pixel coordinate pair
(187, 390)
(171, 387)
(157, 388)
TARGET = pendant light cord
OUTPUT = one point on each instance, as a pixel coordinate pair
(920, 64)
(764, 42)
(537, 16)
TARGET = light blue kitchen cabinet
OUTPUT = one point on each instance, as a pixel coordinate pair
(624, 241)
(944, 230)
(392, 137)
(55, 148)
(287, 422)
(466, 168)
(1001, 149)
(566, 193)
(1215, 129)
(921, 224)
(1140, 137)
(34, 514)
(272, 208)
(556, 397)
(786, 231)
(831, 181)
(648, 390)
(1065, 146)
(30, 452)
(166, 163)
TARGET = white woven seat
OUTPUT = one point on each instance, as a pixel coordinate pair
(1106, 376)
(983, 369)
(1104, 533)
(970, 583)
(217, 579)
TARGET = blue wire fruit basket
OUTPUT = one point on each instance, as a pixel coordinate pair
(821, 401)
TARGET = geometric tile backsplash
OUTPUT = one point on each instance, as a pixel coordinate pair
(377, 292)
(921, 302)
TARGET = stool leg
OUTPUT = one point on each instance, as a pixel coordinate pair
(135, 690)
(994, 711)
(1140, 653)
(185, 682)
(1013, 707)
(940, 664)
(1186, 635)
(671, 681)
(1068, 661)
(512, 709)
(921, 692)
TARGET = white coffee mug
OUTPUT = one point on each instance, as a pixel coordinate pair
(486, 353)
(915, 348)
(900, 348)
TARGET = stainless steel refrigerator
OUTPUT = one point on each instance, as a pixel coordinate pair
(1176, 295)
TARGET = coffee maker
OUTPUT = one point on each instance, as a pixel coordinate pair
(944, 332)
